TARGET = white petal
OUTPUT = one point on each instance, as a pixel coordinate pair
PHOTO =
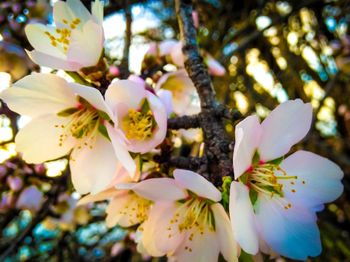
(106, 194)
(166, 97)
(247, 135)
(158, 240)
(177, 55)
(203, 248)
(242, 218)
(125, 92)
(290, 232)
(39, 140)
(286, 125)
(227, 243)
(93, 169)
(86, 46)
(97, 11)
(159, 189)
(166, 46)
(318, 182)
(69, 11)
(39, 94)
(47, 60)
(197, 184)
(93, 96)
(40, 41)
(121, 151)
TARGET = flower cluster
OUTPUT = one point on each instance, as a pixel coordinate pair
(111, 139)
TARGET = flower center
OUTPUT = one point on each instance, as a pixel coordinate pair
(61, 37)
(136, 209)
(263, 179)
(139, 124)
(84, 123)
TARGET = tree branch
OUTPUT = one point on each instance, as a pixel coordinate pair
(185, 122)
(124, 65)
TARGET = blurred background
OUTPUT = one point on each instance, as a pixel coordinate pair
(272, 51)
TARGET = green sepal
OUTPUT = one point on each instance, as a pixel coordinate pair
(256, 158)
(225, 194)
(68, 111)
(253, 195)
(103, 131)
(145, 107)
(276, 161)
(245, 257)
(244, 178)
(104, 115)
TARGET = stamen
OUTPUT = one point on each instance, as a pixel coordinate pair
(138, 125)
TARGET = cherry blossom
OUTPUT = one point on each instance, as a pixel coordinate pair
(274, 200)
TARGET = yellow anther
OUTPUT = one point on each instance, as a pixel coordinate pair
(138, 125)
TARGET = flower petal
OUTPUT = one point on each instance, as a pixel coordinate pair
(69, 11)
(197, 184)
(227, 243)
(125, 92)
(318, 182)
(166, 97)
(177, 56)
(86, 45)
(286, 125)
(93, 96)
(39, 140)
(159, 189)
(121, 151)
(93, 169)
(106, 194)
(290, 232)
(203, 248)
(47, 60)
(247, 135)
(42, 42)
(97, 11)
(39, 94)
(156, 237)
(242, 218)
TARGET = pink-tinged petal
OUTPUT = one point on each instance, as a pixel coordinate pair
(242, 218)
(125, 92)
(286, 125)
(166, 97)
(30, 198)
(121, 151)
(106, 194)
(39, 94)
(203, 248)
(40, 41)
(318, 179)
(137, 79)
(291, 232)
(93, 96)
(157, 239)
(214, 67)
(160, 116)
(93, 169)
(86, 46)
(166, 46)
(197, 184)
(227, 244)
(159, 189)
(115, 210)
(47, 60)
(185, 98)
(247, 135)
(39, 140)
(177, 56)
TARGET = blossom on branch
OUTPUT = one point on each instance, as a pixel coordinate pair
(75, 41)
(275, 199)
(67, 118)
(186, 222)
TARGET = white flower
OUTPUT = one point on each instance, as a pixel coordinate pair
(186, 222)
(67, 118)
(76, 40)
(275, 199)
